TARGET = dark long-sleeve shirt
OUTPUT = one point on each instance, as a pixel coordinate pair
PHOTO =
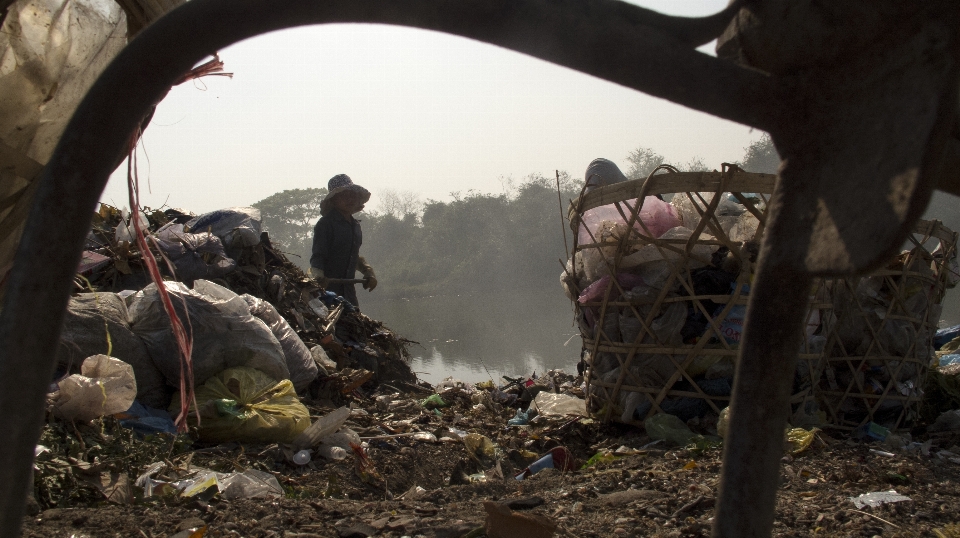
(336, 250)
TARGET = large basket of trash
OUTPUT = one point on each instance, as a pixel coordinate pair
(660, 277)
(878, 334)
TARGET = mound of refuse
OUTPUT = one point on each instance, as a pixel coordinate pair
(245, 306)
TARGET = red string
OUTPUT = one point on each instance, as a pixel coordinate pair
(180, 333)
(213, 67)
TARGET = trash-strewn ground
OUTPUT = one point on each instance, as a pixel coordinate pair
(652, 491)
(434, 461)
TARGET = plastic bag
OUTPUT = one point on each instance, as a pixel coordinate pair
(479, 446)
(225, 335)
(664, 329)
(250, 484)
(799, 439)
(658, 217)
(433, 402)
(547, 403)
(194, 255)
(89, 319)
(324, 426)
(876, 498)
(300, 363)
(727, 211)
(595, 291)
(125, 231)
(246, 405)
(344, 439)
(105, 386)
(522, 418)
(744, 228)
(669, 428)
(146, 421)
(236, 226)
(723, 422)
(52, 51)
(731, 328)
(700, 255)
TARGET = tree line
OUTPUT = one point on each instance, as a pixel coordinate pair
(512, 242)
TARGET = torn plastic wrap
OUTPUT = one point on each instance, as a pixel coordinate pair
(194, 256)
(52, 51)
(237, 227)
(249, 484)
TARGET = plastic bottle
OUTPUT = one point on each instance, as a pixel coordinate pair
(558, 458)
(302, 457)
(332, 452)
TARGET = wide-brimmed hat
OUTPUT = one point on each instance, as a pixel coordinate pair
(340, 183)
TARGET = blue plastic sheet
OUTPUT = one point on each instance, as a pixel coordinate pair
(945, 335)
(949, 359)
(146, 420)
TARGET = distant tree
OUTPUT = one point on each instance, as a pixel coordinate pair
(289, 217)
(761, 156)
(399, 204)
(695, 164)
(642, 162)
(568, 184)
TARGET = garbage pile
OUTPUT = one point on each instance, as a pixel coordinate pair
(262, 332)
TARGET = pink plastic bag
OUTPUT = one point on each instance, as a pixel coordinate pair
(595, 291)
(658, 217)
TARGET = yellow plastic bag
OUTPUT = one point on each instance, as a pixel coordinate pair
(799, 439)
(245, 405)
(479, 446)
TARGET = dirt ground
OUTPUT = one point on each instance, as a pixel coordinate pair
(650, 491)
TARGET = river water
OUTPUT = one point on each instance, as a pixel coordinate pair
(478, 337)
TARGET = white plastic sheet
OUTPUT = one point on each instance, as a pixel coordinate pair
(104, 386)
(547, 403)
(876, 498)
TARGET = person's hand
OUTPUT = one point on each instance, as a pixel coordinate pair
(370, 283)
(319, 278)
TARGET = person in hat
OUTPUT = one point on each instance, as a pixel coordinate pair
(337, 238)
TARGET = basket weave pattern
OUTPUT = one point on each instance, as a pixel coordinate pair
(660, 290)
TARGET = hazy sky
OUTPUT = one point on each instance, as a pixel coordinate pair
(401, 109)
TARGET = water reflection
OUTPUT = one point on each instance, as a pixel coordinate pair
(476, 337)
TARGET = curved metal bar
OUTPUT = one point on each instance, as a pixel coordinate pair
(601, 38)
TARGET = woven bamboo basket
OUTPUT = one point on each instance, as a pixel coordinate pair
(663, 335)
(879, 333)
